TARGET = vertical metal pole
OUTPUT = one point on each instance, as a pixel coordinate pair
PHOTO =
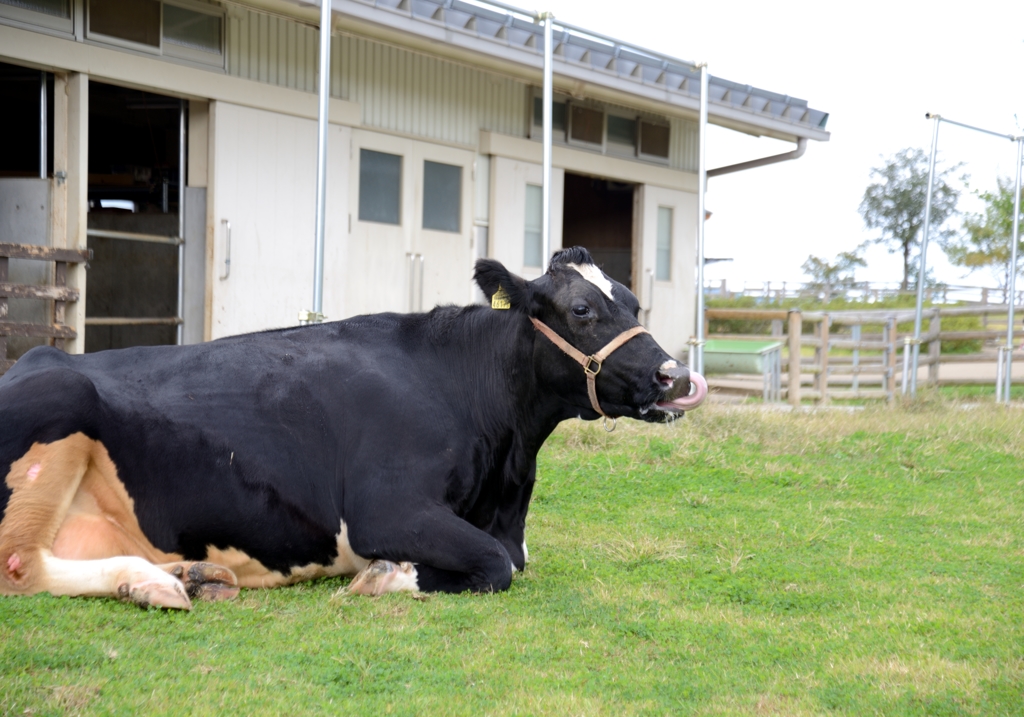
(924, 255)
(1013, 270)
(42, 125)
(181, 223)
(321, 162)
(547, 101)
(702, 179)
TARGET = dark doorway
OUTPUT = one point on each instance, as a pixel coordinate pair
(598, 215)
(134, 184)
(20, 90)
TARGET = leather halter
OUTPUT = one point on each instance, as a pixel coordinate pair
(591, 364)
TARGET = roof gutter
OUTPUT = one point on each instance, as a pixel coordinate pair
(801, 147)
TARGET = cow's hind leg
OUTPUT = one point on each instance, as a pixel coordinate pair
(204, 581)
(44, 484)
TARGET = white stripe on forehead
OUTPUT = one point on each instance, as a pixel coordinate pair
(595, 276)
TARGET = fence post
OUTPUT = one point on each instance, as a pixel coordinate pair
(934, 347)
(890, 359)
(855, 380)
(821, 360)
(796, 327)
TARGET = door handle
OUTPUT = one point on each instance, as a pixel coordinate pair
(227, 248)
(415, 298)
(422, 262)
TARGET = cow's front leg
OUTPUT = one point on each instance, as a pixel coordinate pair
(384, 576)
(432, 552)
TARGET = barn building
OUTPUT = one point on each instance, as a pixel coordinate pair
(176, 140)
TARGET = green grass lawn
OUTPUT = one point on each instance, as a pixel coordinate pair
(736, 563)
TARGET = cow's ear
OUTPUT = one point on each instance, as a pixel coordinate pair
(503, 289)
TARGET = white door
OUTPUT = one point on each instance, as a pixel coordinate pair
(382, 209)
(262, 218)
(411, 246)
(442, 238)
(515, 214)
(668, 265)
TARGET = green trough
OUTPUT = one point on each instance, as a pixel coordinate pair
(739, 356)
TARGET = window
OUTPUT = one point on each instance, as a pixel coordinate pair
(192, 34)
(533, 246)
(53, 14)
(557, 116)
(609, 129)
(134, 21)
(622, 134)
(654, 139)
(380, 187)
(185, 29)
(663, 257)
(586, 124)
(57, 8)
(442, 196)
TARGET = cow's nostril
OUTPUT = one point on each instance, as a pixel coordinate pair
(670, 372)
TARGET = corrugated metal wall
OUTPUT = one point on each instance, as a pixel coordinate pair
(683, 145)
(416, 94)
(399, 90)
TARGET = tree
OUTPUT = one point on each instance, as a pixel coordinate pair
(828, 277)
(987, 239)
(895, 204)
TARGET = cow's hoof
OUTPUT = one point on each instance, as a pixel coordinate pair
(205, 581)
(166, 594)
(384, 576)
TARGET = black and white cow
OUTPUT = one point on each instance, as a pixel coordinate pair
(397, 448)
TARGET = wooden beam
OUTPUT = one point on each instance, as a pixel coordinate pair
(746, 314)
(795, 329)
(132, 321)
(14, 328)
(32, 291)
(43, 253)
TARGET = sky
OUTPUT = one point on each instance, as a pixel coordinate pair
(877, 68)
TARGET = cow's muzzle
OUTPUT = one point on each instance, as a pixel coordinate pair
(670, 376)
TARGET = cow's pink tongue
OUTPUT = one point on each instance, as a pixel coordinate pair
(699, 391)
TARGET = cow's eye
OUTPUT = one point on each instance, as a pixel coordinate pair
(582, 311)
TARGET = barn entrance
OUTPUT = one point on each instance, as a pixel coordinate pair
(26, 165)
(598, 215)
(135, 180)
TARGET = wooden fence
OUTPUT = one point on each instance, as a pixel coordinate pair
(58, 293)
(861, 354)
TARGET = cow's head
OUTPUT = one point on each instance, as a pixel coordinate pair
(578, 311)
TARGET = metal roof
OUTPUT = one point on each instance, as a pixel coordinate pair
(510, 33)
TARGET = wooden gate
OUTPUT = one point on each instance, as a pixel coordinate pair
(57, 292)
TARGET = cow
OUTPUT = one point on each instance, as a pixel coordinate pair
(400, 449)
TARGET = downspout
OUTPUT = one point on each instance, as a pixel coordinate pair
(801, 147)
